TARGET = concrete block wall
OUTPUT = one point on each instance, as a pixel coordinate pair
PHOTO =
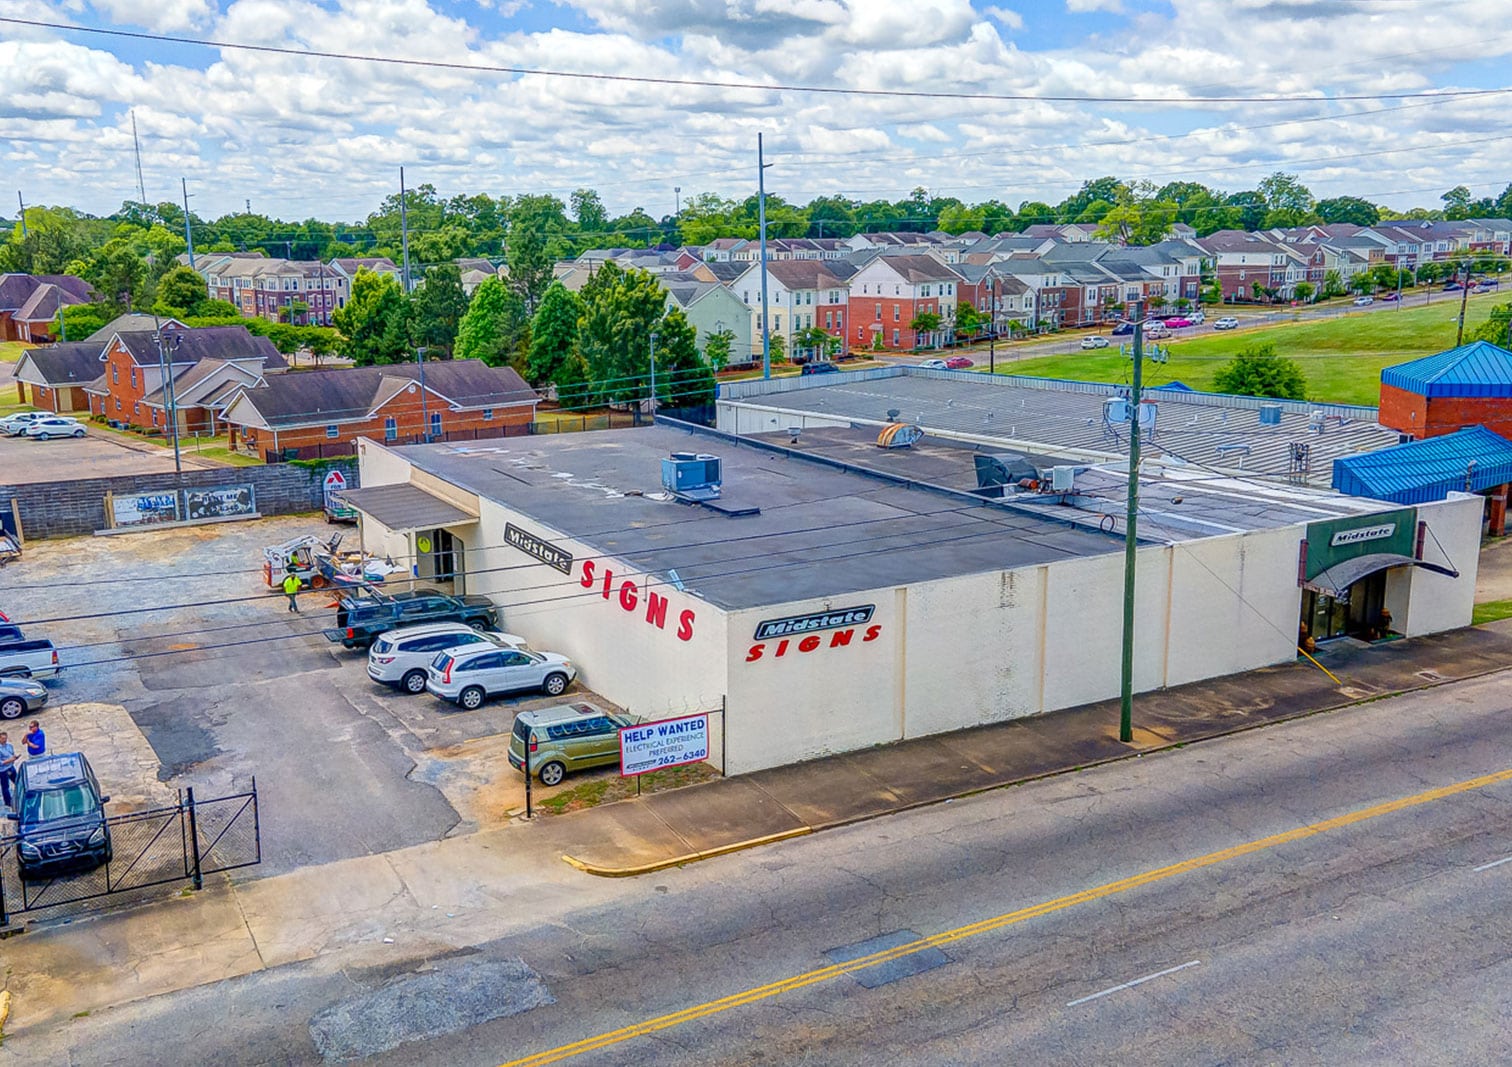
(69, 508)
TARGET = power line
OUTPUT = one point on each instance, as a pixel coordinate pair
(704, 83)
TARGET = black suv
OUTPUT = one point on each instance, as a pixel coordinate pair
(361, 619)
(61, 815)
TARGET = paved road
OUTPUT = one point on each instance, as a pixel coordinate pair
(1380, 937)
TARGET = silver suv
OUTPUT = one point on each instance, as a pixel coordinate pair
(400, 657)
(469, 676)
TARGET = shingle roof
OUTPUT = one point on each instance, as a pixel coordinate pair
(348, 394)
(17, 289)
(205, 342)
(73, 363)
(1423, 471)
(918, 268)
(1479, 369)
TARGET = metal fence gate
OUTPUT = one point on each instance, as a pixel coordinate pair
(150, 848)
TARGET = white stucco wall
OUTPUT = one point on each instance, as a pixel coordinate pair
(1437, 602)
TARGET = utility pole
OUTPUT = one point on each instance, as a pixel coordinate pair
(1131, 521)
(766, 338)
(165, 368)
(424, 411)
(992, 334)
(676, 201)
(141, 186)
(1459, 336)
(188, 233)
(22, 205)
(404, 234)
(653, 375)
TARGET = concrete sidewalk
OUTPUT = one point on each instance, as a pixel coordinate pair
(431, 899)
(667, 829)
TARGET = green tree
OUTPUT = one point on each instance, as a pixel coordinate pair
(811, 340)
(682, 378)
(180, 290)
(80, 321)
(588, 210)
(1497, 328)
(553, 334)
(969, 320)
(118, 274)
(620, 310)
(1137, 222)
(1287, 201)
(1333, 284)
(925, 322)
(372, 320)
(1304, 291)
(777, 348)
(55, 237)
(1457, 203)
(496, 328)
(438, 305)
(718, 347)
(1349, 209)
(1256, 370)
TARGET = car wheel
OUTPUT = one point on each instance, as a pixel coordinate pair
(78, 433)
(471, 698)
(44, 437)
(413, 682)
(555, 683)
(553, 773)
(15, 707)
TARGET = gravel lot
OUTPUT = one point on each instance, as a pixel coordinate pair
(224, 685)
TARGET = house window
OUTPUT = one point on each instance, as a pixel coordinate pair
(136, 408)
(879, 312)
(118, 403)
(391, 429)
(115, 376)
(924, 290)
(133, 377)
(333, 430)
(435, 421)
(897, 312)
(488, 414)
(829, 320)
(895, 338)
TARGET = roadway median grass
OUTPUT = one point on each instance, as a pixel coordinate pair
(1341, 357)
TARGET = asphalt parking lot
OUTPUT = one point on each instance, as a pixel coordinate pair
(218, 683)
(97, 455)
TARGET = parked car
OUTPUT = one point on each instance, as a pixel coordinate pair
(1178, 323)
(1364, 301)
(1389, 298)
(469, 676)
(400, 657)
(959, 363)
(569, 737)
(1452, 287)
(1156, 330)
(1197, 317)
(819, 366)
(12, 425)
(1123, 329)
(20, 696)
(53, 426)
(28, 659)
(60, 813)
(935, 364)
(1094, 342)
(1480, 288)
(1228, 322)
(360, 619)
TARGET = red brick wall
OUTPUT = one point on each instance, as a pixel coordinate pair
(1407, 412)
(118, 368)
(405, 411)
(897, 313)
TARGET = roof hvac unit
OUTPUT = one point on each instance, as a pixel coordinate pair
(1270, 414)
(1003, 468)
(899, 435)
(1062, 479)
(692, 475)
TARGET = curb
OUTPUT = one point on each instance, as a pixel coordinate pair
(757, 842)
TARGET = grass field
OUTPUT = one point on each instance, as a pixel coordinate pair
(1341, 357)
(10, 351)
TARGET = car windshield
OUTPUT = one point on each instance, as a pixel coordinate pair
(442, 661)
(46, 805)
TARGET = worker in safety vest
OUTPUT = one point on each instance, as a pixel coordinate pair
(291, 589)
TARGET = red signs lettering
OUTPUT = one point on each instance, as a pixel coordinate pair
(797, 646)
(631, 598)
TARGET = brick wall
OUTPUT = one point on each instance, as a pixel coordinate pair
(1442, 414)
(71, 508)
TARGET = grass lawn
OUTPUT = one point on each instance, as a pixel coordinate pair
(218, 452)
(10, 351)
(1341, 357)
(1490, 611)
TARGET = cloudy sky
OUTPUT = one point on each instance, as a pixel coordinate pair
(301, 136)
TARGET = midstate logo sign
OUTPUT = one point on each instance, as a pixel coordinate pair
(796, 633)
(815, 620)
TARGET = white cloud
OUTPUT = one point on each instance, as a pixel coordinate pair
(155, 14)
(1008, 17)
(1114, 6)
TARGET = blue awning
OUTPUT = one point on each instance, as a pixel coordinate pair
(1473, 460)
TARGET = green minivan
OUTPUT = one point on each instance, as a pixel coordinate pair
(567, 737)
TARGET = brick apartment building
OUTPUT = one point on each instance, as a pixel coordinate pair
(891, 291)
(1440, 394)
(324, 412)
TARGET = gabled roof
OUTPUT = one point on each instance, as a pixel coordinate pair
(1479, 369)
(1421, 471)
(352, 394)
(17, 289)
(920, 268)
(804, 274)
(727, 270)
(130, 322)
(205, 342)
(74, 363)
(43, 304)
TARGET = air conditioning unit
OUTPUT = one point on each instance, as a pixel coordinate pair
(692, 475)
(1062, 479)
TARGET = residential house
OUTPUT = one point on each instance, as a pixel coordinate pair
(278, 290)
(914, 242)
(723, 249)
(890, 292)
(57, 375)
(323, 412)
(996, 293)
(199, 362)
(30, 302)
(802, 294)
(712, 308)
(1243, 260)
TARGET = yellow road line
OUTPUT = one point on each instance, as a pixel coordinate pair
(976, 929)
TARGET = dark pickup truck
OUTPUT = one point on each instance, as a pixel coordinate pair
(359, 620)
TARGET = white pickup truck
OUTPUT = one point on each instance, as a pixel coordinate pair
(28, 659)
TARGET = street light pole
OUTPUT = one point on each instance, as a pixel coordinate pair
(766, 340)
(992, 335)
(1131, 521)
(653, 375)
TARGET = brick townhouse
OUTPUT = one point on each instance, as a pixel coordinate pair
(204, 364)
(324, 412)
(30, 302)
(889, 292)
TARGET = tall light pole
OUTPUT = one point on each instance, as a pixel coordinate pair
(676, 201)
(165, 368)
(992, 334)
(653, 375)
(404, 234)
(1131, 524)
(188, 233)
(766, 339)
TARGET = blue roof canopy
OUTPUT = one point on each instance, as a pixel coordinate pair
(1422, 471)
(1479, 369)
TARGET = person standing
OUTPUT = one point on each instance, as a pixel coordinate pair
(36, 740)
(7, 768)
(291, 590)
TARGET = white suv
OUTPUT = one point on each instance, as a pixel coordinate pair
(53, 426)
(12, 425)
(399, 658)
(469, 676)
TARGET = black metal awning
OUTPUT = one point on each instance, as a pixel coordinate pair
(406, 507)
(1336, 580)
